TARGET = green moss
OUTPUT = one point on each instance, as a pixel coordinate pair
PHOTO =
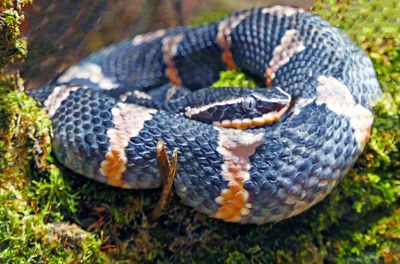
(32, 201)
(33, 194)
(372, 188)
(234, 78)
(12, 44)
(209, 15)
(359, 222)
(25, 236)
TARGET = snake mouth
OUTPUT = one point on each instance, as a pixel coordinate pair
(265, 119)
(241, 108)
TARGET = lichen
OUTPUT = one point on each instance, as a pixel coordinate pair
(359, 222)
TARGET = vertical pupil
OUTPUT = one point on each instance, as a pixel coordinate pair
(249, 103)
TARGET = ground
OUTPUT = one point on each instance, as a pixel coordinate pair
(50, 215)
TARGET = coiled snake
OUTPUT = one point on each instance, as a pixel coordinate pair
(291, 144)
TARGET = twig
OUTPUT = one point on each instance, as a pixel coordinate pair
(167, 171)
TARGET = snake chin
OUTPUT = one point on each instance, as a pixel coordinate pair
(265, 119)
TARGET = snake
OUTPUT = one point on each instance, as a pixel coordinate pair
(245, 155)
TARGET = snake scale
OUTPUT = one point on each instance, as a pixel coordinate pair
(109, 110)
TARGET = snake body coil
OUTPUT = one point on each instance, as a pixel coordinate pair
(107, 116)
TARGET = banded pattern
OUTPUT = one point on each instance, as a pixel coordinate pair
(109, 111)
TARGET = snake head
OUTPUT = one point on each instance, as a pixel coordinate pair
(243, 108)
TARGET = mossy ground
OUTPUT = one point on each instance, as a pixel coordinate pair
(359, 222)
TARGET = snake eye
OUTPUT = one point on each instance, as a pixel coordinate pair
(249, 103)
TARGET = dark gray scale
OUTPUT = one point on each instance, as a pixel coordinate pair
(80, 127)
(298, 75)
(41, 94)
(154, 98)
(168, 93)
(196, 144)
(302, 161)
(136, 63)
(129, 66)
(346, 61)
(254, 40)
(359, 75)
(205, 96)
(198, 58)
(320, 57)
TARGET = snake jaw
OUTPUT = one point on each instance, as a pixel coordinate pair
(251, 108)
(265, 119)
